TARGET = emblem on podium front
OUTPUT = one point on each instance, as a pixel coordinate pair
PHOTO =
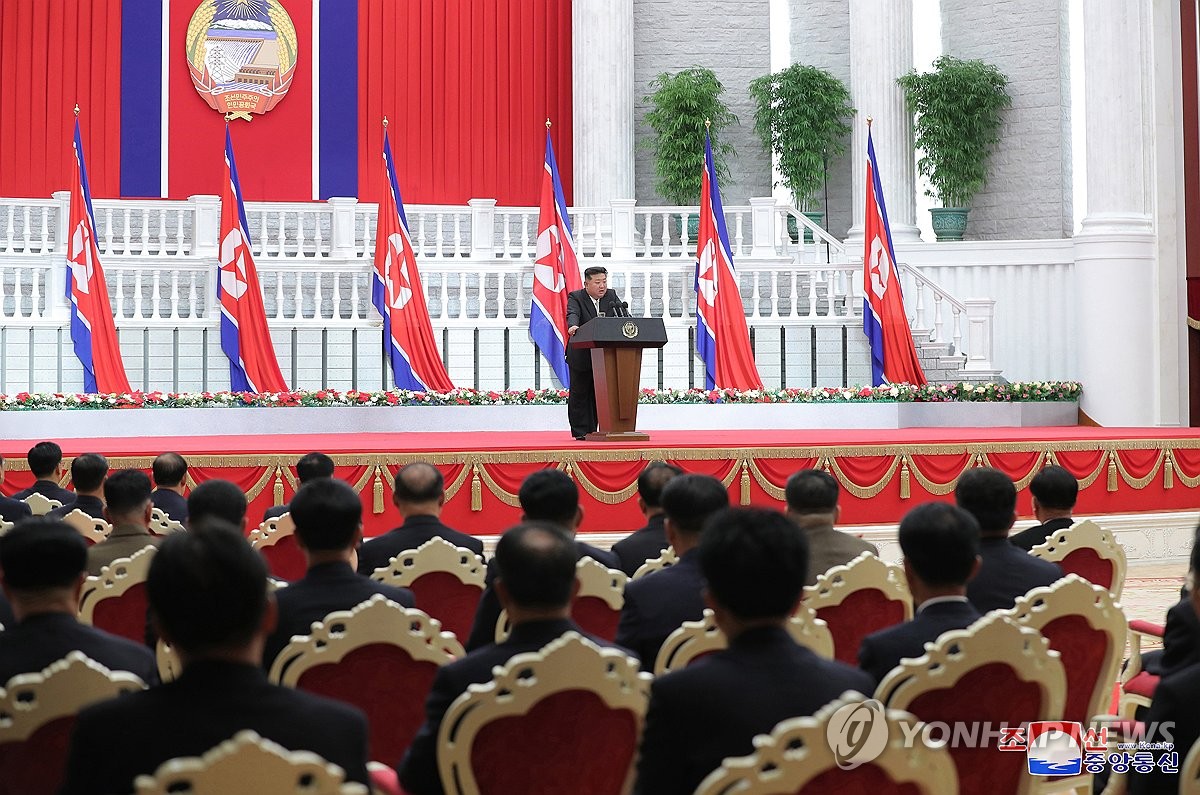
(630, 330)
(241, 55)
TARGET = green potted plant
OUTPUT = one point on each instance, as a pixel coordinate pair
(680, 105)
(801, 116)
(958, 109)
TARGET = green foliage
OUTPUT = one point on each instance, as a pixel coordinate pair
(679, 105)
(958, 111)
(801, 118)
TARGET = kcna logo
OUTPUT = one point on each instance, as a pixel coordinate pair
(1054, 748)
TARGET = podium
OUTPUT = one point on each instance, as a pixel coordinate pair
(616, 344)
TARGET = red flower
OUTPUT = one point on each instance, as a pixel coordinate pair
(363, 397)
(392, 399)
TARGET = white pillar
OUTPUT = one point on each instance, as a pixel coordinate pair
(881, 50)
(602, 67)
(341, 232)
(483, 228)
(1115, 252)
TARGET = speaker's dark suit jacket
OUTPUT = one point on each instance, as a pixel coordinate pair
(1175, 699)
(881, 651)
(714, 708)
(1029, 538)
(48, 489)
(1006, 573)
(12, 510)
(657, 604)
(41, 639)
(171, 503)
(639, 546)
(325, 588)
(483, 629)
(415, 531)
(419, 770)
(117, 740)
(580, 310)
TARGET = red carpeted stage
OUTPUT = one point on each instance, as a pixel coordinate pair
(882, 472)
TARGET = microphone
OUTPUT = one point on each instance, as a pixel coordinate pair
(625, 309)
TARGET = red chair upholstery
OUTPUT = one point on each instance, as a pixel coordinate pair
(446, 580)
(597, 606)
(115, 600)
(1090, 551)
(854, 600)
(275, 539)
(522, 731)
(381, 658)
(1137, 685)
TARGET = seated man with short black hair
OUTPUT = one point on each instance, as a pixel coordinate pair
(87, 476)
(547, 495)
(208, 596)
(650, 541)
(657, 604)
(812, 503)
(127, 509)
(218, 500)
(328, 516)
(535, 582)
(308, 468)
(1005, 572)
(755, 563)
(11, 510)
(169, 470)
(940, 543)
(42, 568)
(419, 494)
(1054, 491)
(44, 459)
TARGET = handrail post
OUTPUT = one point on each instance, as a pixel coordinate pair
(762, 215)
(622, 228)
(483, 228)
(206, 228)
(56, 302)
(981, 313)
(341, 231)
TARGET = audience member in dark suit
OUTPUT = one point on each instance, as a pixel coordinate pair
(812, 503)
(1181, 641)
(42, 565)
(940, 543)
(6, 613)
(547, 495)
(217, 500)
(1005, 572)
(755, 563)
(11, 510)
(127, 508)
(328, 517)
(535, 582)
(208, 594)
(419, 494)
(88, 472)
(658, 603)
(310, 467)
(169, 470)
(44, 459)
(641, 545)
(1177, 704)
(1054, 491)
(594, 300)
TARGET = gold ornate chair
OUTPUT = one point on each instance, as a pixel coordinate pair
(995, 673)
(163, 525)
(1138, 685)
(275, 539)
(1189, 772)
(563, 719)
(796, 758)
(696, 639)
(5, 526)
(115, 600)
(597, 606)
(93, 529)
(446, 580)
(248, 763)
(667, 559)
(167, 660)
(40, 504)
(1090, 551)
(861, 597)
(378, 656)
(37, 714)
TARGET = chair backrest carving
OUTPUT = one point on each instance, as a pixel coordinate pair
(1087, 549)
(92, 528)
(163, 525)
(796, 758)
(40, 504)
(667, 559)
(696, 639)
(597, 606)
(520, 732)
(446, 580)
(245, 758)
(275, 539)
(378, 656)
(861, 597)
(115, 600)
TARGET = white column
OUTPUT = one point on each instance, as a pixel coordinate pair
(1115, 253)
(881, 50)
(602, 67)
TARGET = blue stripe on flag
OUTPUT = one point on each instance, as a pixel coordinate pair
(141, 98)
(542, 331)
(338, 124)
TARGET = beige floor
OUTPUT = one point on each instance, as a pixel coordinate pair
(1150, 589)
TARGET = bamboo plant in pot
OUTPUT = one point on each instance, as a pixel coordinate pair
(958, 107)
(680, 104)
(801, 116)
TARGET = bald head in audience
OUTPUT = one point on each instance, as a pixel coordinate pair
(420, 490)
(535, 572)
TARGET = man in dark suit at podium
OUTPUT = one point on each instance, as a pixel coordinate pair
(594, 300)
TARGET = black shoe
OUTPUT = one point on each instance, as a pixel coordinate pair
(581, 438)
